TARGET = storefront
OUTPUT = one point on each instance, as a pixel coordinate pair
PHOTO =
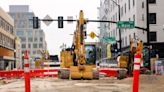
(7, 63)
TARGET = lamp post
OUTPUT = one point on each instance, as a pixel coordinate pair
(119, 18)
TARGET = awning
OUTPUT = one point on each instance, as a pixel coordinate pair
(7, 58)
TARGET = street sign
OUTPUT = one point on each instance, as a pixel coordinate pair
(125, 24)
(47, 17)
(69, 18)
(109, 39)
(92, 35)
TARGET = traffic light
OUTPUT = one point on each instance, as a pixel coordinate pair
(85, 34)
(60, 22)
(35, 23)
(115, 48)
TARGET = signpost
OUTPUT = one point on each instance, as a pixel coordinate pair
(125, 24)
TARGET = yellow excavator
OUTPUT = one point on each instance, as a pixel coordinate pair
(73, 60)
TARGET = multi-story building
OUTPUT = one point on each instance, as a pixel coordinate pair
(7, 41)
(32, 40)
(135, 10)
(103, 15)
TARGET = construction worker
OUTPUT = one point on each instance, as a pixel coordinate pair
(153, 58)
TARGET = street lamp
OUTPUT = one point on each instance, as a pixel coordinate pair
(119, 18)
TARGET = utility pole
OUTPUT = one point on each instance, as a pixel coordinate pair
(148, 32)
(148, 27)
(119, 17)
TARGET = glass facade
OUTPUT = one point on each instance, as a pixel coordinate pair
(30, 38)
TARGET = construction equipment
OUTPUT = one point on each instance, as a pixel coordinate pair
(73, 60)
(126, 61)
(39, 63)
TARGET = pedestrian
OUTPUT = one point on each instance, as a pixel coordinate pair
(153, 58)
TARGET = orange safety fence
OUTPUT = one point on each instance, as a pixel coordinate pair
(33, 73)
(50, 73)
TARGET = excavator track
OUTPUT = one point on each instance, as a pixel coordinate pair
(64, 73)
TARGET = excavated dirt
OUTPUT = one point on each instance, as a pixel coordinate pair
(148, 83)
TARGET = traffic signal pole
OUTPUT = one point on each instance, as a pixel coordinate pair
(120, 41)
(119, 18)
(148, 31)
(61, 20)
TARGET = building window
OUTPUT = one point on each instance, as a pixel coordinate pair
(20, 33)
(40, 45)
(123, 42)
(34, 52)
(29, 45)
(35, 39)
(29, 39)
(41, 32)
(143, 5)
(29, 33)
(122, 11)
(152, 1)
(116, 17)
(130, 38)
(23, 45)
(34, 45)
(23, 39)
(133, 2)
(41, 39)
(23, 52)
(142, 17)
(125, 7)
(126, 41)
(134, 18)
(152, 18)
(129, 4)
(153, 36)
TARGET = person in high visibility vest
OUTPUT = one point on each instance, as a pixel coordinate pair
(139, 50)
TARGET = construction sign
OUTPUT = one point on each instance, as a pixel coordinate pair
(92, 35)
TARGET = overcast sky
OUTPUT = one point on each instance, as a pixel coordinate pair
(56, 37)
